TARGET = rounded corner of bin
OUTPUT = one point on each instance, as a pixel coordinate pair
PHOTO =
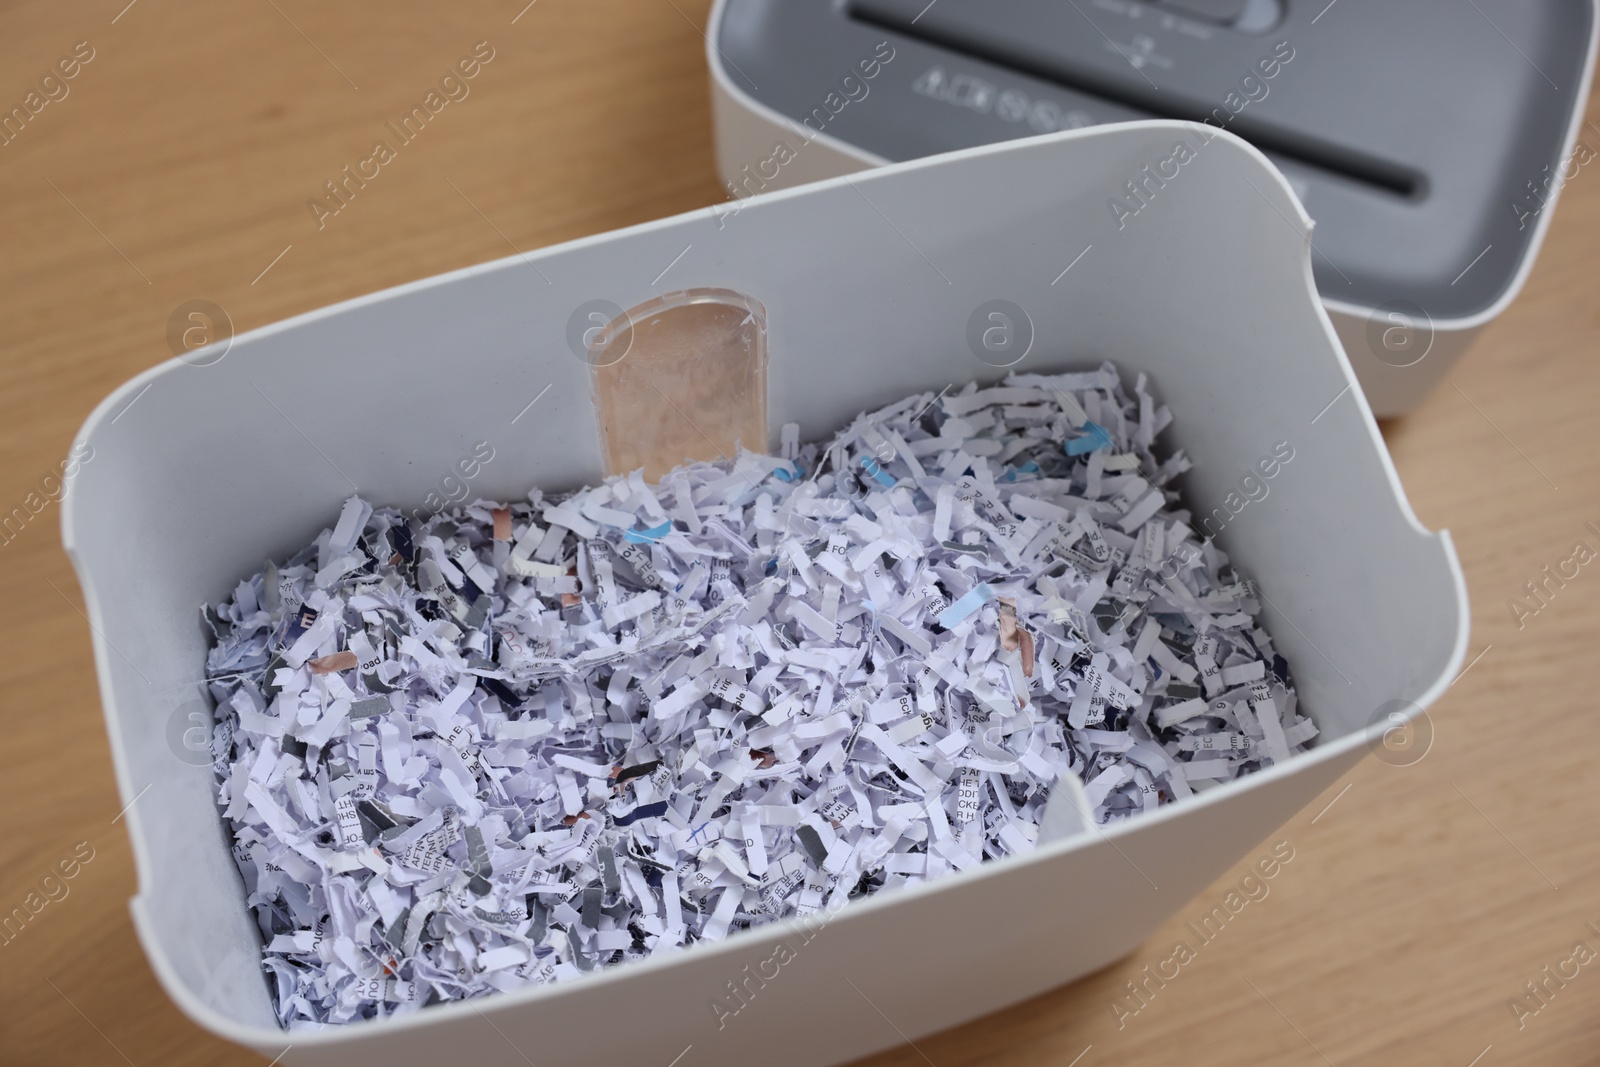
(187, 1001)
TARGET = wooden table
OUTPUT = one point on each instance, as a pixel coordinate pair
(179, 167)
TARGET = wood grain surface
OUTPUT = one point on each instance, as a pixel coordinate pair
(178, 166)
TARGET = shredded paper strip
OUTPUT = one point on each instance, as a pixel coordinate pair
(506, 745)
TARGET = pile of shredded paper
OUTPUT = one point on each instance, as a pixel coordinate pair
(503, 745)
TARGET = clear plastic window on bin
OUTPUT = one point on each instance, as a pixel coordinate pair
(681, 377)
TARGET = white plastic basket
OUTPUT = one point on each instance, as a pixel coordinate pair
(205, 468)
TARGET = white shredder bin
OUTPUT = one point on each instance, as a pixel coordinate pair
(205, 467)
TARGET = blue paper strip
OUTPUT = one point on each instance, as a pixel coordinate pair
(877, 473)
(650, 536)
(953, 615)
(1094, 439)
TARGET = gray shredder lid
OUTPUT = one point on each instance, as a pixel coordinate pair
(1422, 135)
